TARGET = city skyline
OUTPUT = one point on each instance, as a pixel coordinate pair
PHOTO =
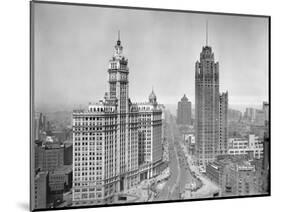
(66, 49)
(121, 143)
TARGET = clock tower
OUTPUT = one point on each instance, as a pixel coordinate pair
(118, 78)
(119, 94)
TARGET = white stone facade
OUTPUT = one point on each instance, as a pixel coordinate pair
(242, 146)
(115, 142)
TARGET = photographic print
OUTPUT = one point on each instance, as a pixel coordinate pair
(138, 105)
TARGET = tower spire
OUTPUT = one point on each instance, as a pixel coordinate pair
(118, 41)
(207, 33)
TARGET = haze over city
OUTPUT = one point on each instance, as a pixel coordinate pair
(74, 43)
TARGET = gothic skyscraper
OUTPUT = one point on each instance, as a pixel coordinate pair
(207, 108)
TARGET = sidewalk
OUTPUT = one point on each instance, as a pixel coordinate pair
(147, 189)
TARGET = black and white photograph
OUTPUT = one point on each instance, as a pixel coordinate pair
(138, 105)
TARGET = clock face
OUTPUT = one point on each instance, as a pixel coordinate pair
(123, 76)
(113, 76)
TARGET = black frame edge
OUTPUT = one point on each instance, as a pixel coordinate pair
(31, 102)
(147, 8)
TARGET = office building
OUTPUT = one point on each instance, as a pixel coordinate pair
(265, 108)
(223, 132)
(184, 111)
(56, 187)
(68, 152)
(150, 137)
(115, 141)
(49, 156)
(250, 114)
(234, 115)
(210, 107)
(217, 172)
(260, 117)
(237, 175)
(266, 147)
(245, 146)
(39, 125)
(243, 179)
(40, 190)
(189, 139)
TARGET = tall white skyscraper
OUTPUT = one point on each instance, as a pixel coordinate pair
(116, 143)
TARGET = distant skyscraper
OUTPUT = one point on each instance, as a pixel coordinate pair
(207, 107)
(250, 114)
(39, 125)
(184, 111)
(260, 117)
(234, 115)
(257, 116)
(116, 143)
(36, 126)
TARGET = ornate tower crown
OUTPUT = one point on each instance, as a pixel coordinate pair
(118, 61)
(152, 97)
(118, 48)
(207, 33)
(207, 53)
(184, 98)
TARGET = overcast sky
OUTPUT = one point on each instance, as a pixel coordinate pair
(73, 45)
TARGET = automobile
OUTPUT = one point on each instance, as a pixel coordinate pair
(202, 170)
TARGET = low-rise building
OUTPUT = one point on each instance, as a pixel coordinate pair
(243, 146)
(243, 179)
(49, 156)
(190, 142)
(238, 175)
(217, 172)
(40, 190)
(56, 187)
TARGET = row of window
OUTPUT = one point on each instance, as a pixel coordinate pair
(101, 109)
(82, 119)
(88, 128)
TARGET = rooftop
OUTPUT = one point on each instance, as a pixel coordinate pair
(62, 169)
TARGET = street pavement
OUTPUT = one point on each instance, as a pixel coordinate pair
(180, 175)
